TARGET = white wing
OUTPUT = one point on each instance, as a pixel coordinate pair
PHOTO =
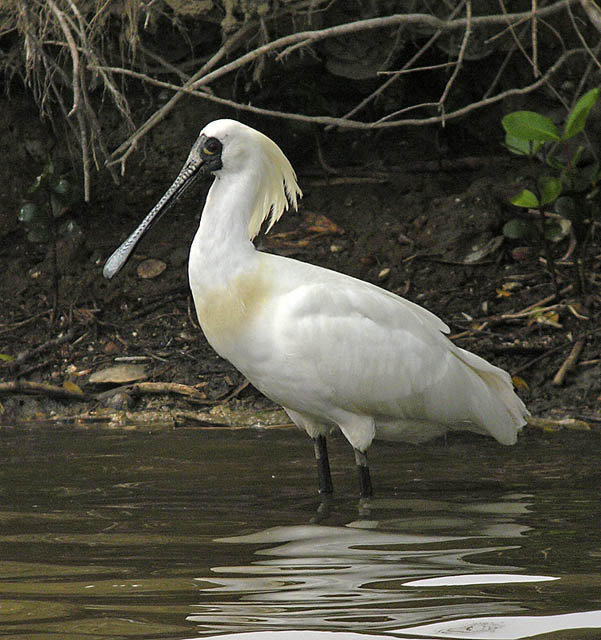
(355, 347)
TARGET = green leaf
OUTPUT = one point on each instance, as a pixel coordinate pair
(48, 168)
(69, 227)
(37, 183)
(590, 173)
(577, 155)
(580, 179)
(57, 205)
(29, 212)
(550, 189)
(62, 187)
(518, 229)
(39, 234)
(577, 118)
(6, 358)
(565, 206)
(525, 198)
(555, 163)
(557, 229)
(529, 125)
(522, 147)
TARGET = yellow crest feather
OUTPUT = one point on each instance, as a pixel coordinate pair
(278, 190)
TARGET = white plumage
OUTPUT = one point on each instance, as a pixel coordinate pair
(331, 349)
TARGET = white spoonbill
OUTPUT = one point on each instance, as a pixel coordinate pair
(331, 349)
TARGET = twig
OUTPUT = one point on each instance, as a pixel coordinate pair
(165, 387)
(535, 305)
(461, 55)
(235, 392)
(400, 18)
(593, 12)
(167, 66)
(491, 321)
(182, 417)
(407, 66)
(55, 275)
(191, 315)
(40, 364)
(429, 67)
(320, 157)
(118, 98)
(532, 362)
(10, 327)
(582, 39)
(30, 353)
(125, 149)
(511, 26)
(191, 393)
(534, 37)
(202, 78)
(330, 120)
(338, 180)
(77, 94)
(500, 71)
(39, 388)
(569, 362)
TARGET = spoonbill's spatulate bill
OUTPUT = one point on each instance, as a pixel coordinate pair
(332, 350)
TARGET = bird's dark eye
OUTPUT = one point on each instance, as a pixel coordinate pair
(212, 147)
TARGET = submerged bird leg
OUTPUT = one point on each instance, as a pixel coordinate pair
(323, 464)
(364, 477)
(323, 510)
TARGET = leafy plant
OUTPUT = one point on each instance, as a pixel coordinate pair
(564, 190)
(49, 199)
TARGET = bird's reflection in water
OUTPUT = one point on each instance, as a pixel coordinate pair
(354, 576)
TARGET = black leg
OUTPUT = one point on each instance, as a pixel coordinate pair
(323, 464)
(364, 477)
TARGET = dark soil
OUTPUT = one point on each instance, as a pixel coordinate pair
(400, 216)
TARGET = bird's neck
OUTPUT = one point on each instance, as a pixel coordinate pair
(221, 249)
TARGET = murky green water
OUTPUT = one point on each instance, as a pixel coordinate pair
(201, 533)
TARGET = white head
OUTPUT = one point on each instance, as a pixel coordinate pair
(224, 148)
(244, 148)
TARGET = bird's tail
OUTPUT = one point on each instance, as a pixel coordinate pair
(499, 409)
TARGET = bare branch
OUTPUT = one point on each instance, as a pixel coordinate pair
(118, 97)
(77, 94)
(408, 65)
(120, 155)
(593, 12)
(534, 37)
(204, 76)
(582, 39)
(356, 124)
(465, 40)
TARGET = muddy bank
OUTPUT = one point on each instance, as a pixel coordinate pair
(388, 209)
